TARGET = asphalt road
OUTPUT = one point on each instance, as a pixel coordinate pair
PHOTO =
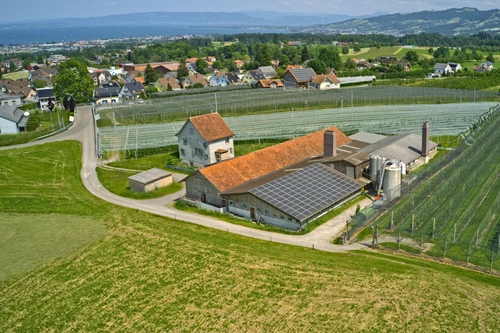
(83, 131)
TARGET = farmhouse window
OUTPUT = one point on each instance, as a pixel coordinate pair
(183, 153)
(184, 141)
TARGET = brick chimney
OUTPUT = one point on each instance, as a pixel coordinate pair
(330, 144)
(425, 141)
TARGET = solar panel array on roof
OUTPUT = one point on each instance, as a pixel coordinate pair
(306, 192)
(303, 74)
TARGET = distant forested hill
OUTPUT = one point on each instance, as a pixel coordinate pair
(451, 22)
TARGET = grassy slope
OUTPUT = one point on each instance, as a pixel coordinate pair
(56, 235)
(154, 274)
(372, 53)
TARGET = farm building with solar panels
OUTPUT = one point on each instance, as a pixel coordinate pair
(293, 183)
(278, 185)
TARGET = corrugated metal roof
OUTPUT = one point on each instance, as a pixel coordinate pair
(367, 137)
(406, 148)
(149, 176)
(356, 79)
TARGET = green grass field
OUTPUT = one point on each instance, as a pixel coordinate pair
(116, 181)
(16, 75)
(149, 273)
(29, 240)
(373, 52)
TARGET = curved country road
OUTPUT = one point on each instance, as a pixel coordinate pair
(83, 131)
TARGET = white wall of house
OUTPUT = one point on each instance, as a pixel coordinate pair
(108, 100)
(196, 151)
(326, 85)
(13, 101)
(441, 71)
(223, 144)
(8, 126)
(458, 68)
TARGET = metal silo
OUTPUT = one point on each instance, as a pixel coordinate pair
(392, 181)
(374, 169)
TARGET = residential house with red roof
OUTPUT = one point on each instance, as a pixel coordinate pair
(325, 82)
(163, 83)
(191, 80)
(275, 83)
(204, 140)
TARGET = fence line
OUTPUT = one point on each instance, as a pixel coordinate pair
(445, 119)
(449, 209)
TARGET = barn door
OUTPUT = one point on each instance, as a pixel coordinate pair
(252, 213)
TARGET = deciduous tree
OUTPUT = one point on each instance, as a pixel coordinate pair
(305, 55)
(318, 66)
(264, 55)
(182, 71)
(74, 79)
(411, 57)
(150, 76)
(39, 83)
(331, 57)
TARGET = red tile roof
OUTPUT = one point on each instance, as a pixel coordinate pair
(211, 127)
(318, 79)
(237, 171)
(197, 78)
(267, 83)
(170, 80)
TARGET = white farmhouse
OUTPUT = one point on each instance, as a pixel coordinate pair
(441, 68)
(325, 82)
(205, 140)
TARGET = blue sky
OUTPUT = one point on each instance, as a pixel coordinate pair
(35, 9)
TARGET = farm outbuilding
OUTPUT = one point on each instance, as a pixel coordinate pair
(150, 180)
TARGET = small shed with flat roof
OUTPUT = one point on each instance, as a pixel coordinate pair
(150, 180)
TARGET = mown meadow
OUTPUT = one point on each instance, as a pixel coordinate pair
(141, 272)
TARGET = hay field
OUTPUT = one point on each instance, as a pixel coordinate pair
(153, 274)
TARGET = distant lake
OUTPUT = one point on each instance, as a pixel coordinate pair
(67, 34)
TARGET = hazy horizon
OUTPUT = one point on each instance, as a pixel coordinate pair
(61, 9)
